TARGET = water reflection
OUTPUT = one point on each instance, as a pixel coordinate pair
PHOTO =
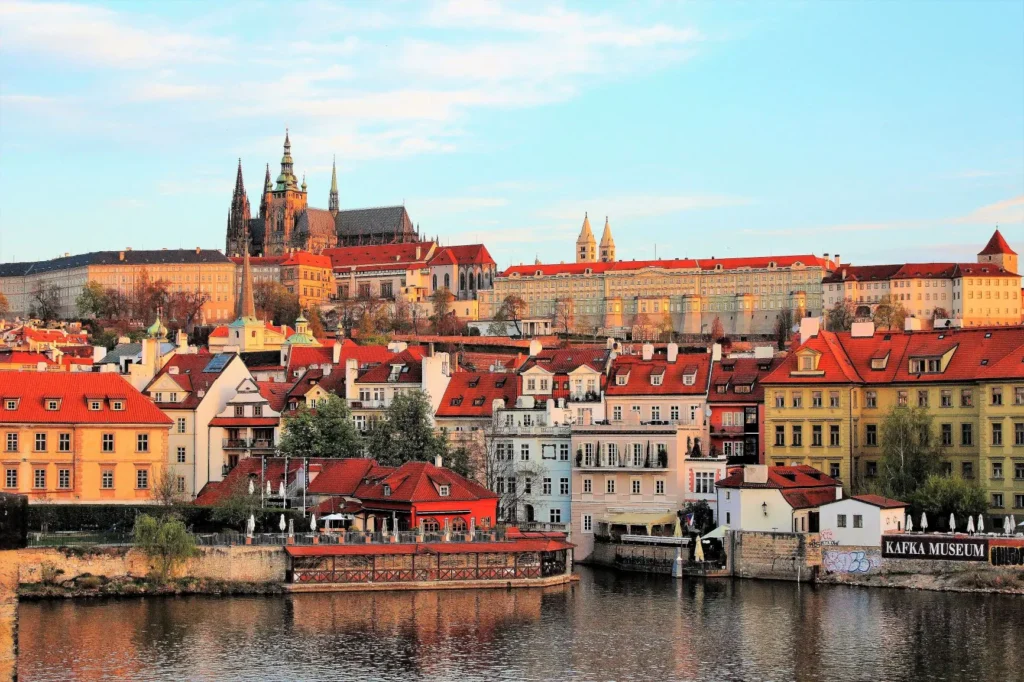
(609, 626)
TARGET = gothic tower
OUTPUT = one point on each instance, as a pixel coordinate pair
(286, 203)
(586, 246)
(238, 217)
(332, 204)
(607, 243)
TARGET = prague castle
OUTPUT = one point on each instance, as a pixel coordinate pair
(286, 221)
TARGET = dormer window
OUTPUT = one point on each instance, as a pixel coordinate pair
(455, 402)
(172, 397)
(117, 405)
(478, 401)
(52, 404)
(387, 490)
(925, 365)
(11, 404)
(689, 379)
(743, 388)
(157, 398)
(656, 379)
(621, 379)
(807, 363)
(879, 363)
(444, 490)
(94, 405)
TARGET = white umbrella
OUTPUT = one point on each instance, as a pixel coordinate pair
(1006, 525)
(952, 523)
(312, 522)
(282, 525)
(268, 489)
(924, 522)
(1013, 524)
(280, 489)
(679, 529)
(910, 524)
(251, 524)
(981, 523)
(698, 554)
(383, 525)
(970, 524)
(252, 487)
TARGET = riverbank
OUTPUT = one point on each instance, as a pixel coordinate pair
(88, 586)
(992, 581)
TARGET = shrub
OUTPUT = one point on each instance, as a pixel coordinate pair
(166, 541)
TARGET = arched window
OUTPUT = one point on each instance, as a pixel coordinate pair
(459, 525)
(435, 282)
(447, 281)
(472, 282)
(430, 525)
(462, 281)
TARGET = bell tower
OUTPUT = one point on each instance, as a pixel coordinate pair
(586, 245)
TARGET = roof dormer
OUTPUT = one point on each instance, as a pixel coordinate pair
(807, 360)
(880, 360)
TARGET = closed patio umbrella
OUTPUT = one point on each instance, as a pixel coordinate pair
(698, 552)
(679, 529)
(268, 489)
(910, 524)
(924, 522)
(1013, 525)
(252, 487)
(282, 525)
(981, 523)
(952, 523)
(1007, 528)
(312, 522)
(970, 524)
(251, 524)
(280, 489)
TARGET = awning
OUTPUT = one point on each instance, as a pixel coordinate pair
(717, 534)
(646, 519)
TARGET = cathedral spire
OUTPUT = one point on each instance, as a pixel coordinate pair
(333, 204)
(287, 179)
(238, 216)
(267, 185)
(239, 185)
(246, 303)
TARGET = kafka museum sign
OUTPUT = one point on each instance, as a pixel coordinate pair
(936, 547)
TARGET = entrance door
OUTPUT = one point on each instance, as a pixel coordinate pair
(812, 522)
(528, 509)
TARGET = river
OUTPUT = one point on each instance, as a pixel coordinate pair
(609, 626)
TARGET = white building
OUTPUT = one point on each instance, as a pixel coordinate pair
(249, 425)
(861, 520)
(775, 499)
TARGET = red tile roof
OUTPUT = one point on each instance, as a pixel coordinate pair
(308, 259)
(761, 262)
(638, 374)
(472, 394)
(24, 357)
(73, 389)
(221, 332)
(411, 360)
(733, 372)
(996, 245)
(214, 491)
(875, 273)
(385, 256)
(303, 356)
(879, 501)
(276, 393)
(190, 377)
(788, 477)
(468, 254)
(809, 499)
(418, 482)
(565, 360)
(341, 476)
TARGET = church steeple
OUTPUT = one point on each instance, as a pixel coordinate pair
(238, 216)
(333, 205)
(607, 243)
(267, 185)
(287, 179)
(586, 246)
(246, 302)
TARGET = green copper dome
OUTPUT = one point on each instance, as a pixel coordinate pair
(157, 330)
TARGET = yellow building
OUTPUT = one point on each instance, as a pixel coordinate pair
(825, 404)
(182, 269)
(79, 437)
(309, 277)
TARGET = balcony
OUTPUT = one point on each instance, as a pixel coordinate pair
(651, 462)
(366, 404)
(585, 397)
(534, 430)
(248, 443)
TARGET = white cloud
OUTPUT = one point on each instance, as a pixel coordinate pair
(1005, 212)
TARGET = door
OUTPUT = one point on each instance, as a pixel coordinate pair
(812, 522)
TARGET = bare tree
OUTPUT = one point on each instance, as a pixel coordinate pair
(46, 303)
(783, 327)
(563, 317)
(514, 481)
(513, 309)
(187, 306)
(165, 490)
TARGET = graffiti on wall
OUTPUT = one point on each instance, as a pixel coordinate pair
(853, 561)
(1007, 556)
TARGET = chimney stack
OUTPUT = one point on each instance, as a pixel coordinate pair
(648, 352)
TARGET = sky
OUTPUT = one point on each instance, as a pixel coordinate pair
(882, 131)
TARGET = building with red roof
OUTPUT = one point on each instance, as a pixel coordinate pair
(736, 400)
(827, 401)
(79, 437)
(370, 387)
(861, 520)
(757, 497)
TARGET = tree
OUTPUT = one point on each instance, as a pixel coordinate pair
(513, 308)
(165, 491)
(941, 496)
(441, 317)
(45, 303)
(783, 327)
(329, 432)
(273, 300)
(703, 516)
(92, 302)
(406, 434)
(400, 316)
(939, 314)
(840, 317)
(316, 323)
(165, 541)
(186, 307)
(502, 474)
(5, 307)
(237, 505)
(717, 329)
(909, 453)
(889, 314)
(562, 318)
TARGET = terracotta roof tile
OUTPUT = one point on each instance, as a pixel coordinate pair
(73, 389)
(472, 394)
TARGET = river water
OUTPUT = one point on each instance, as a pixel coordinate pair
(609, 626)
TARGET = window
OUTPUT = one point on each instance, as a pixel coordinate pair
(528, 486)
(780, 400)
(588, 485)
(617, 413)
(39, 478)
(947, 434)
(142, 479)
(840, 520)
(547, 450)
(997, 395)
(967, 469)
(181, 454)
(704, 482)
(871, 435)
(257, 410)
(444, 490)
(117, 405)
(546, 487)
(635, 486)
(673, 413)
(798, 436)
(563, 486)
(524, 452)
(609, 486)
(997, 469)
(922, 398)
(815, 436)
(12, 442)
(871, 469)
(655, 413)
(997, 500)
(64, 442)
(870, 399)
(11, 404)
(833, 469)
(94, 405)
(780, 436)
(833, 435)
(142, 442)
(966, 434)
(556, 515)
(997, 434)
(659, 487)
(1018, 470)
(64, 478)
(815, 398)
(40, 442)
(181, 420)
(181, 484)
(901, 398)
(531, 384)
(656, 379)
(833, 399)
(966, 397)
(52, 405)
(798, 399)
(107, 479)
(11, 478)
(239, 412)
(858, 521)
(1018, 395)
(588, 523)
(946, 398)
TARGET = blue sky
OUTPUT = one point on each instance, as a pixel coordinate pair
(883, 131)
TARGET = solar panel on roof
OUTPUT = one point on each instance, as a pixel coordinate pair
(217, 363)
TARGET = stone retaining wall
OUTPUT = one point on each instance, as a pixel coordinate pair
(641, 558)
(774, 556)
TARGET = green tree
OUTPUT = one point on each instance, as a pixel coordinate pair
(237, 505)
(165, 541)
(783, 327)
(840, 317)
(889, 314)
(909, 453)
(941, 496)
(316, 322)
(703, 516)
(328, 432)
(93, 301)
(406, 433)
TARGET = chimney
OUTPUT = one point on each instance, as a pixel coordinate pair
(836, 260)
(417, 253)
(764, 352)
(809, 327)
(438, 462)
(120, 255)
(755, 473)
(672, 351)
(327, 370)
(351, 373)
(648, 352)
(912, 324)
(336, 353)
(716, 352)
(535, 348)
(862, 330)
(198, 250)
(182, 341)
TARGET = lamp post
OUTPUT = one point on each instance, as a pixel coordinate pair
(764, 508)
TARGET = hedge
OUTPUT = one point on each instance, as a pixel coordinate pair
(121, 517)
(13, 521)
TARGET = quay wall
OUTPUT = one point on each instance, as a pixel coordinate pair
(774, 556)
(640, 558)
